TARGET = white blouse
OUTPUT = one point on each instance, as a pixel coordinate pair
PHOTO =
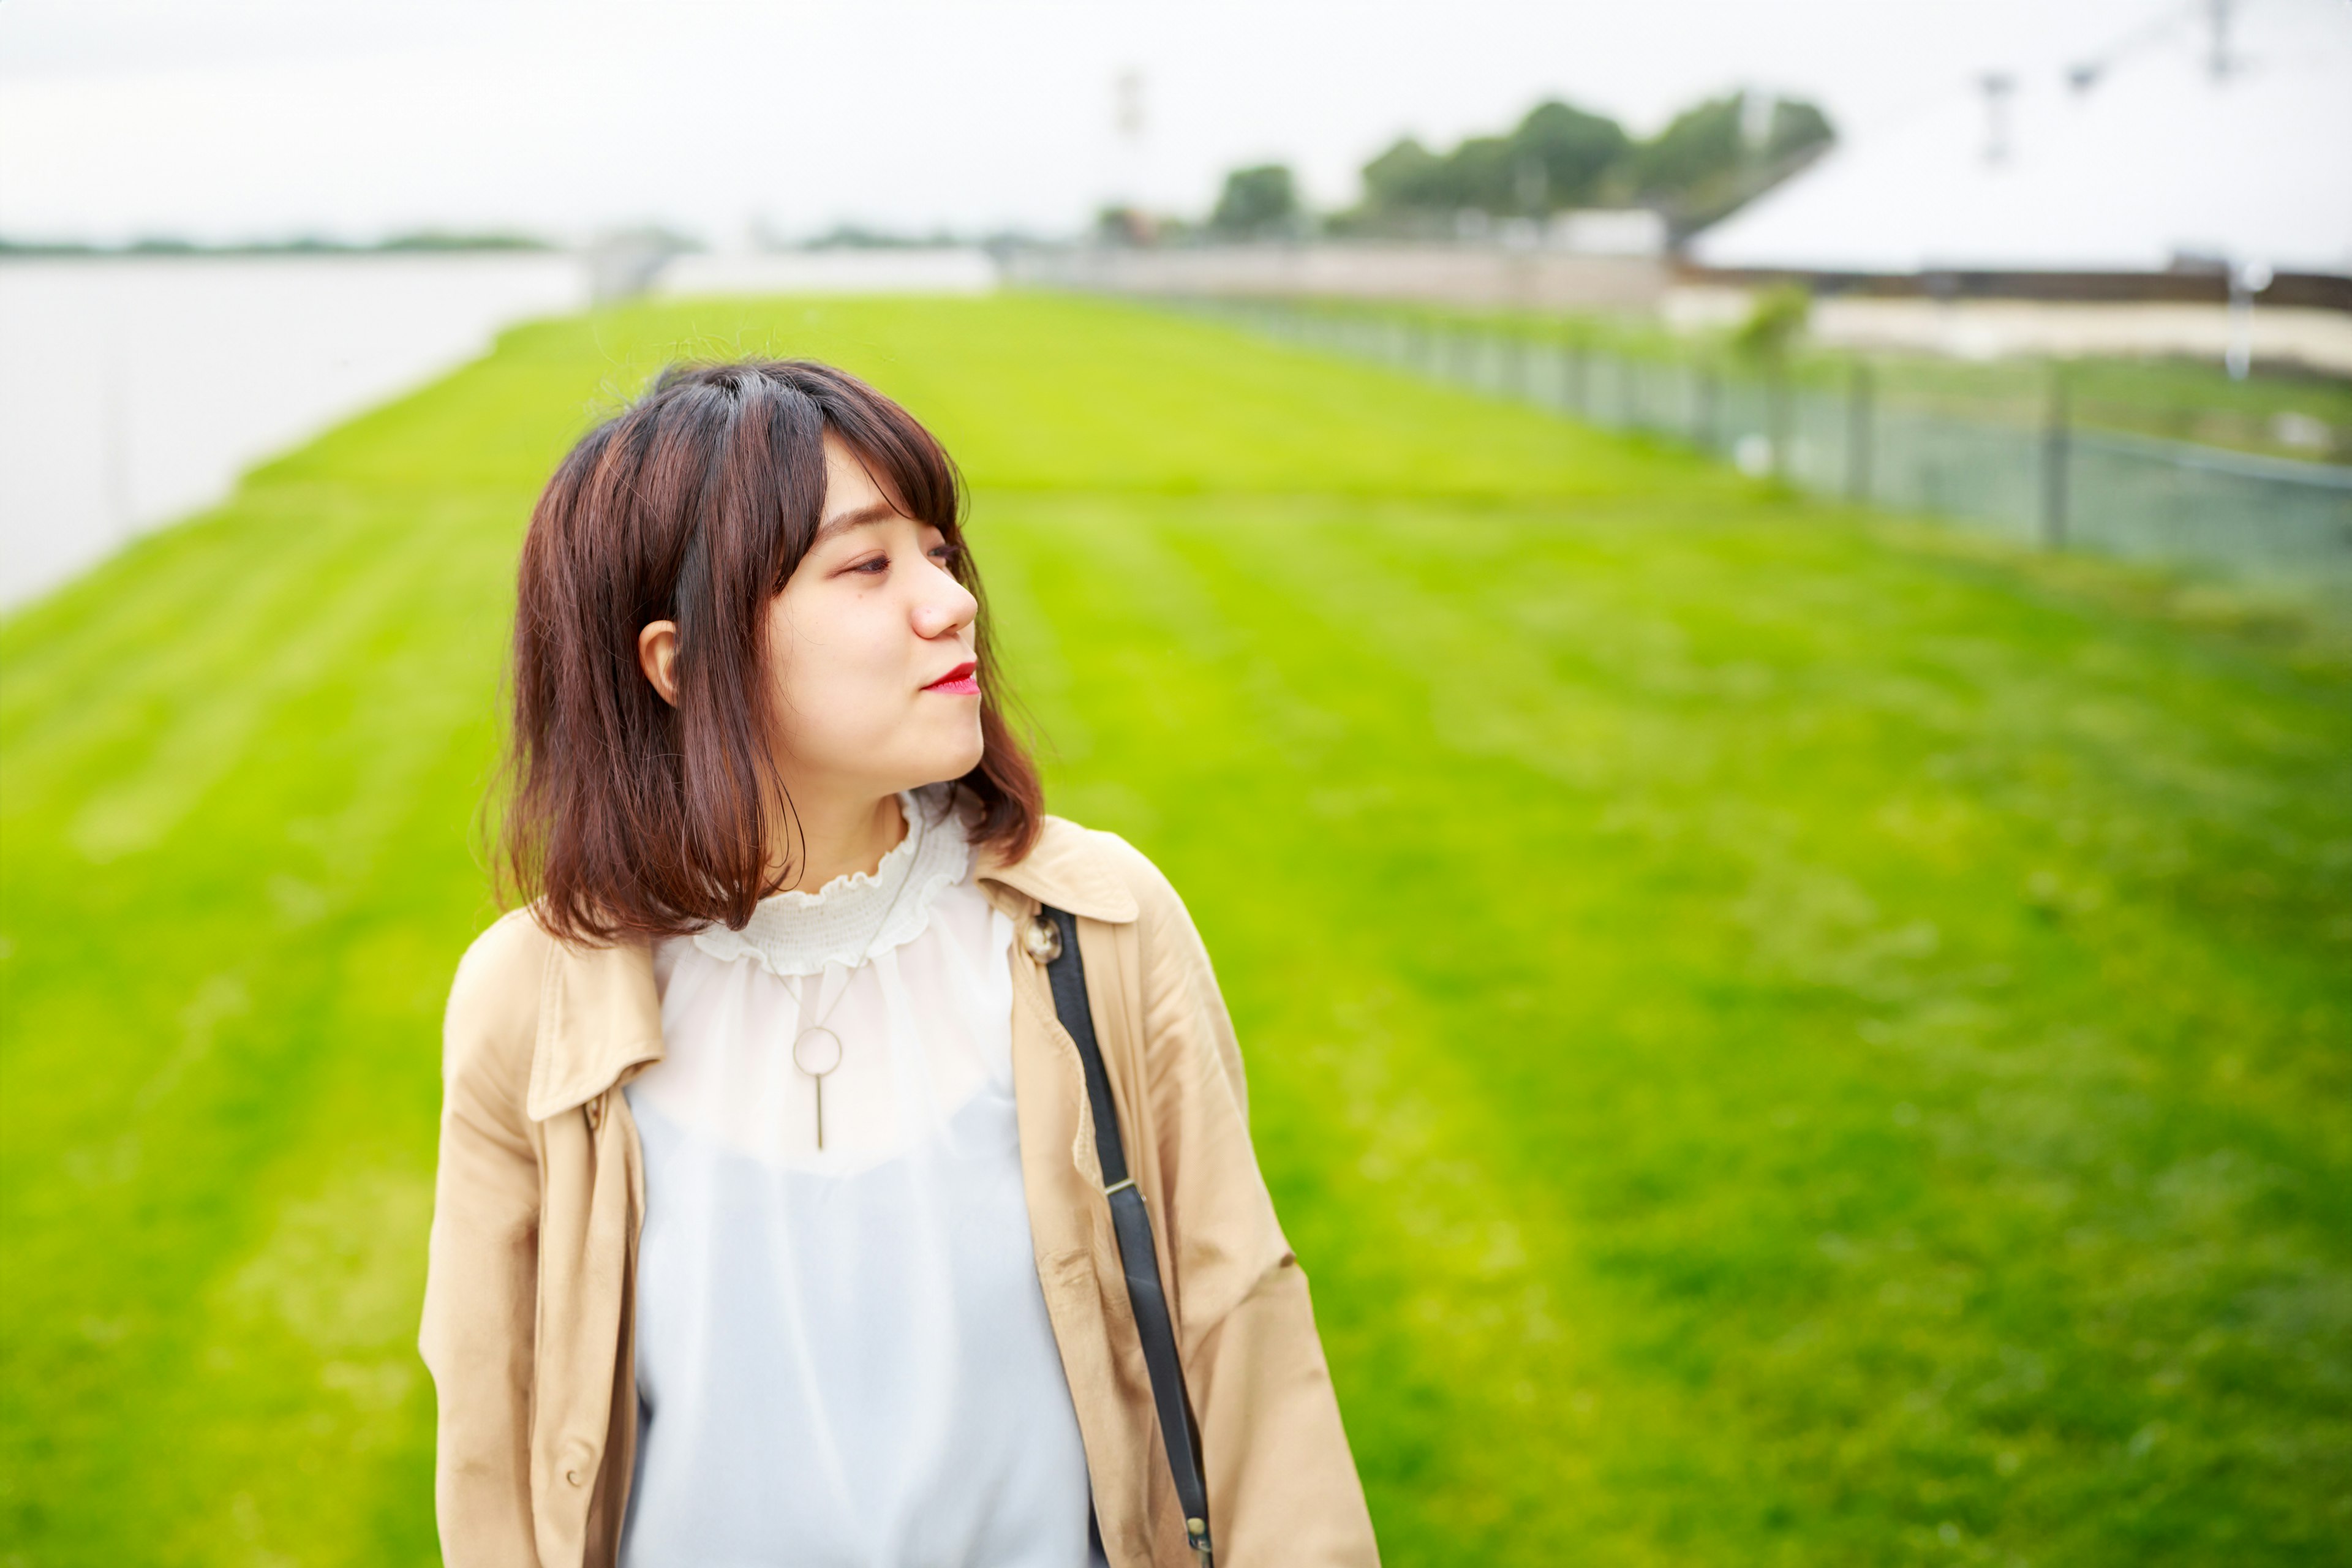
(843, 1355)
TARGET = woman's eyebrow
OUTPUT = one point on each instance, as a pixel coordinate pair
(842, 522)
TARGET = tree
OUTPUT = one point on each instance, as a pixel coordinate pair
(1776, 320)
(1713, 157)
(1258, 203)
(1406, 177)
(1555, 157)
(1572, 152)
(1798, 128)
(1482, 174)
(1699, 146)
(1119, 225)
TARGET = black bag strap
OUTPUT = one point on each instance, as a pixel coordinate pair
(1066, 972)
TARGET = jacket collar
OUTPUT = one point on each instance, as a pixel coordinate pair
(600, 1015)
(1065, 869)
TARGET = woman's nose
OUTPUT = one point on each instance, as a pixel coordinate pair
(947, 607)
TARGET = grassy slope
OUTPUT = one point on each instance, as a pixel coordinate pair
(1776, 1040)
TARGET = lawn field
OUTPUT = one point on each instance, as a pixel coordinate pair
(1779, 1036)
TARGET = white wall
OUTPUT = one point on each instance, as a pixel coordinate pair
(134, 390)
(1995, 328)
(930, 270)
(1452, 274)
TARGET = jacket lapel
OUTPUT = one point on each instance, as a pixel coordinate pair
(599, 1015)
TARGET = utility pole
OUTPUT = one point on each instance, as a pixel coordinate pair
(2217, 16)
(2247, 278)
(1127, 121)
(1996, 87)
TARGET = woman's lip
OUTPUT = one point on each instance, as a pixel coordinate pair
(958, 681)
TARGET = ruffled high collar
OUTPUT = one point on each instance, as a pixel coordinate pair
(797, 934)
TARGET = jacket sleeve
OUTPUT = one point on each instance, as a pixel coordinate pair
(1283, 1489)
(482, 1280)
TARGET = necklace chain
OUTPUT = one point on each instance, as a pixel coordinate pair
(818, 1043)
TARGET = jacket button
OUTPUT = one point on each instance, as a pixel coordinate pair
(595, 1115)
(571, 1476)
(1043, 940)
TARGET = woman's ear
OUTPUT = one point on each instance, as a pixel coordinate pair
(657, 656)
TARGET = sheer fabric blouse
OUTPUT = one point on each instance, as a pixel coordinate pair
(843, 1355)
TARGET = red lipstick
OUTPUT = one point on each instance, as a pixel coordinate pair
(958, 681)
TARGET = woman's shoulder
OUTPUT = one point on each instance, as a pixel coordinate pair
(1127, 886)
(1100, 875)
(509, 954)
(492, 1022)
(1092, 872)
(537, 1023)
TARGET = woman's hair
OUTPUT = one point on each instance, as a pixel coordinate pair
(628, 818)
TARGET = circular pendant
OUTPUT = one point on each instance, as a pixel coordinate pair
(817, 1052)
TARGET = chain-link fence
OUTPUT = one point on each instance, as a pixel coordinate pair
(2041, 480)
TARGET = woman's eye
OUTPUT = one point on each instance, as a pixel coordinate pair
(875, 565)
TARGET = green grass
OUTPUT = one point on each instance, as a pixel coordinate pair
(1779, 1037)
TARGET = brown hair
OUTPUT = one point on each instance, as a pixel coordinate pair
(630, 819)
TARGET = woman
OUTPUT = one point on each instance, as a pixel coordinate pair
(771, 1224)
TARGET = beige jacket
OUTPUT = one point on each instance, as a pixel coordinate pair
(542, 1192)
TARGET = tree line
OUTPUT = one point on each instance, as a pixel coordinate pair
(1708, 160)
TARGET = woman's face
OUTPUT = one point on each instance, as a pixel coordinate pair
(871, 649)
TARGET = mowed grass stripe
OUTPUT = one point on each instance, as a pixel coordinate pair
(1778, 1039)
(232, 1047)
(1844, 915)
(1810, 932)
(1364, 1092)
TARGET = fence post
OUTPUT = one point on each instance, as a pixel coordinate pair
(1859, 432)
(2054, 456)
(1703, 432)
(1576, 376)
(1776, 418)
(1515, 365)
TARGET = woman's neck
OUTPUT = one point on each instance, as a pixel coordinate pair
(840, 839)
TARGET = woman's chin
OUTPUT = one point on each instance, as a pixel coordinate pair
(946, 763)
(963, 763)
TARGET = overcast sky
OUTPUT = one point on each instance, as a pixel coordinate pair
(236, 119)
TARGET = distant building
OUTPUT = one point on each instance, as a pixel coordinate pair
(1632, 231)
(2214, 146)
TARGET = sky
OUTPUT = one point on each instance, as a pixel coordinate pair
(228, 120)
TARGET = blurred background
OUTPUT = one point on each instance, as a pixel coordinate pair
(1736, 622)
